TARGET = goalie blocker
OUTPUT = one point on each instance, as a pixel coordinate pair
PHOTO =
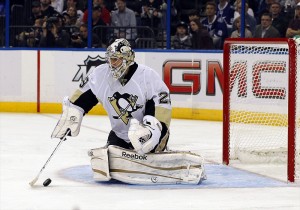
(176, 167)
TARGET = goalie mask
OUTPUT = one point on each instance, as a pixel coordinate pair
(119, 56)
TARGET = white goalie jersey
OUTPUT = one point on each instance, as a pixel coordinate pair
(141, 92)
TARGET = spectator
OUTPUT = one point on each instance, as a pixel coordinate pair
(253, 6)
(67, 22)
(264, 8)
(73, 3)
(248, 9)
(96, 17)
(237, 32)
(32, 37)
(53, 34)
(99, 27)
(47, 9)
(248, 18)
(58, 5)
(194, 15)
(124, 17)
(182, 39)
(80, 40)
(105, 14)
(185, 7)
(151, 14)
(200, 37)
(289, 8)
(36, 12)
(136, 7)
(294, 25)
(278, 20)
(118, 34)
(265, 29)
(216, 27)
(288, 4)
(73, 17)
(111, 5)
(226, 11)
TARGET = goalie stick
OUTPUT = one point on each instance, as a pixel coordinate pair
(37, 176)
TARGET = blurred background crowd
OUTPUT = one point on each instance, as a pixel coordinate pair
(195, 24)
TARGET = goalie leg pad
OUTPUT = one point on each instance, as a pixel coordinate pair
(100, 163)
(70, 119)
(155, 168)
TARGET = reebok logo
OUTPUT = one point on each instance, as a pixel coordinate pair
(134, 156)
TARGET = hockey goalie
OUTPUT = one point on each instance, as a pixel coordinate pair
(139, 108)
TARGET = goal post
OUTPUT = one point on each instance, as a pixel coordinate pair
(260, 98)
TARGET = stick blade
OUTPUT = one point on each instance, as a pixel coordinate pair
(33, 181)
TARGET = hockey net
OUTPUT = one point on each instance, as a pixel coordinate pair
(261, 105)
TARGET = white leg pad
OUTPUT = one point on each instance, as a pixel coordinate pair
(100, 163)
(156, 168)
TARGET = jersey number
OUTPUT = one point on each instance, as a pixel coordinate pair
(164, 98)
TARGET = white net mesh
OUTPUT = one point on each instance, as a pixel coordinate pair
(258, 104)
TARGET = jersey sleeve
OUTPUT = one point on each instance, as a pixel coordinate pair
(158, 98)
(84, 97)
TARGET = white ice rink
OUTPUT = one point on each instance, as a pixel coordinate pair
(25, 145)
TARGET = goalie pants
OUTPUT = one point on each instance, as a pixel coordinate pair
(113, 139)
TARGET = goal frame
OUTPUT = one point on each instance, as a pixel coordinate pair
(292, 53)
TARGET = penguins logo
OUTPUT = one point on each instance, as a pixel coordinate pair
(124, 105)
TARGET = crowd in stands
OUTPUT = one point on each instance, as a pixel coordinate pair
(195, 24)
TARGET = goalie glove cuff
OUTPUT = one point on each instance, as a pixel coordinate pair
(144, 137)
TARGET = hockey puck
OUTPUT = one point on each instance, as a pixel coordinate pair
(47, 182)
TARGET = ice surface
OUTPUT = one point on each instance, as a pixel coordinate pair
(25, 145)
